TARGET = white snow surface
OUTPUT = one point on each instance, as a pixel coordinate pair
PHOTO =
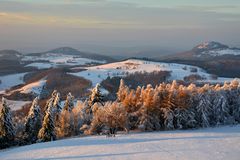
(16, 105)
(55, 59)
(35, 87)
(204, 144)
(11, 80)
(97, 74)
(39, 65)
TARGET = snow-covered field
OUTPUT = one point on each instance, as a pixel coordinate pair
(204, 144)
(11, 80)
(55, 59)
(39, 65)
(97, 74)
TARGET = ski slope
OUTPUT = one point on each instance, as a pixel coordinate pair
(96, 74)
(221, 143)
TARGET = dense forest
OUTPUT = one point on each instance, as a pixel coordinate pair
(166, 106)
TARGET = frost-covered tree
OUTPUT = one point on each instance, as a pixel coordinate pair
(80, 116)
(168, 116)
(7, 132)
(203, 109)
(47, 132)
(122, 91)
(56, 102)
(221, 109)
(66, 128)
(233, 96)
(96, 96)
(112, 116)
(56, 107)
(69, 103)
(33, 122)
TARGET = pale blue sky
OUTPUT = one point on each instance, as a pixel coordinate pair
(110, 25)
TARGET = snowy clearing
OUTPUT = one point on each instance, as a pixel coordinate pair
(11, 80)
(97, 74)
(211, 144)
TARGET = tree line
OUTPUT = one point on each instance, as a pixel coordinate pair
(166, 106)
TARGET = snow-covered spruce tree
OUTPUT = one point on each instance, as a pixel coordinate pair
(96, 96)
(69, 103)
(221, 109)
(47, 132)
(7, 132)
(56, 108)
(56, 102)
(184, 115)
(204, 108)
(33, 122)
(234, 100)
(168, 116)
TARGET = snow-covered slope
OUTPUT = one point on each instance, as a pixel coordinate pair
(11, 80)
(214, 49)
(178, 71)
(35, 87)
(204, 144)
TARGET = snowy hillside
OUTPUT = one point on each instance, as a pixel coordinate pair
(11, 80)
(178, 71)
(15, 79)
(211, 144)
(215, 49)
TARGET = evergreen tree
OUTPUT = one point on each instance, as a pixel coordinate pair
(220, 109)
(56, 107)
(203, 109)
(47, 132)
(33, 122)
(7, 133)
(69, 103)
(56, 102)
(168, 116)
(96, 96)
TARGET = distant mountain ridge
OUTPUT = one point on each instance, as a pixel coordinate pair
(75, 52)
(214, 57)
(215, 49)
